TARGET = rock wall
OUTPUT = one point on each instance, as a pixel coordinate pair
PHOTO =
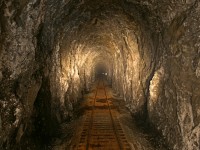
(20, 79)
(173, 105)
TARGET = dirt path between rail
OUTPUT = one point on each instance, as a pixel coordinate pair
(80, 135)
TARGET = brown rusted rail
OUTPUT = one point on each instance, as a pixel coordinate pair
(91, 120)
(102, 129)
(111, 116)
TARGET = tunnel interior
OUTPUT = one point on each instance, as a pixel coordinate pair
(52, 52)
(100, 71)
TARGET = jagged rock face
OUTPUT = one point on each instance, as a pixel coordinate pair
(20, 79)
(50, 49)
(173, 103)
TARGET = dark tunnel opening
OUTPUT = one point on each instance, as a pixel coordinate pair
(100, 71)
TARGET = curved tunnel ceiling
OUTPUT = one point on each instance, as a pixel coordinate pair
(96, 28)
(115, 33)
(89, 32)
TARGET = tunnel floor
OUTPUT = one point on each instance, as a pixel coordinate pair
(104, 123)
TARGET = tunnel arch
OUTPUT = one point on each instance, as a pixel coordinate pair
(119, 37)
(111, 33)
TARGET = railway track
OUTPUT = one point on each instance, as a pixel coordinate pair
(102, 129)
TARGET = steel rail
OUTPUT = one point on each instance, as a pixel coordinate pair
(91, 119)
(88, 139)
(111, 116)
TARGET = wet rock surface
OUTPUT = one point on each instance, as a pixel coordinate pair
(50, 51)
